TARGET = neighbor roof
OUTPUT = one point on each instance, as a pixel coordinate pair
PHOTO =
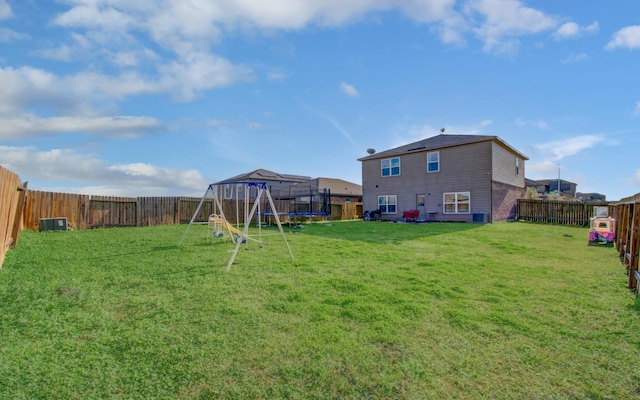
(266, 175)
(439, 142)
(546, 182)
(339, 186)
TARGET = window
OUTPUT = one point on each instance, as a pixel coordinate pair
(419, 200)
(390, 166)
(433, 161)
(229, 192)
(457, 203)
(387, 204)
(517, 166)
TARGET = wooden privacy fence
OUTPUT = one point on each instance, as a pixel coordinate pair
(627, 215)
(11, 206)
(85, 211)
(558, 212)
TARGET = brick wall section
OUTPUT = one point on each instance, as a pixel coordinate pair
(504, 201)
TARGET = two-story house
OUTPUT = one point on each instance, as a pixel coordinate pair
(462, 178)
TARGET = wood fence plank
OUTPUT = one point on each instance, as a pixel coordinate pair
(556, 212)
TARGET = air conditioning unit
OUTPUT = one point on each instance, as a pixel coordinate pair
(480, 217)
(53, 224)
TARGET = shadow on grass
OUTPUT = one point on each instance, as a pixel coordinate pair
(382, 232)
(101, 256)
(636, 305)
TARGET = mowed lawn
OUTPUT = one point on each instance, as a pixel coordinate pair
(367, 310)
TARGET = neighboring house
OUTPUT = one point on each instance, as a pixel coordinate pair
(294, 193)
(591, 197)
(445, 178)
(548, 186)
(540, 188)
(341, 191)
(274, 181)
(316, 196)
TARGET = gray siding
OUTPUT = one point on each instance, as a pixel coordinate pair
(465, 168)
(504, 166)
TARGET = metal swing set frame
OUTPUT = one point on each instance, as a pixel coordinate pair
(217, 222)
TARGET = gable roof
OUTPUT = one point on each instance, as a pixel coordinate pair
(440, 142)
(339, 187)
(266, 175)
(546, 182)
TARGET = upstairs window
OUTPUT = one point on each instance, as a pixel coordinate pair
(457, 203)
(390, 166)
(517, 166)
(433, 161)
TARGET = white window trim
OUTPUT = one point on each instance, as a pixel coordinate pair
(388, 196)
(437, 170)
(444, 203)
(390, 167)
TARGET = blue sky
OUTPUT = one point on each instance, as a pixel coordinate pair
(162, 97)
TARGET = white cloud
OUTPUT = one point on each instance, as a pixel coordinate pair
(628, 37)
(27, 88)
(61, 53)
(336, 125)
(120, 126)
(197, 24)
(568, 30)
(5, 10)
(573, 30)
(595, 27)
(564, 148)
(188, 30)
(452, 29)
(542, 169)
(65, 165)
(504, 21)
(125, 59)
(8, 35)
(198, 72)
(637, 110)
(91, 15)
(572, 58)
(539, 123)
(486, 123)
(635, 179)
(276, 76)
(349, 90)
(428, 11)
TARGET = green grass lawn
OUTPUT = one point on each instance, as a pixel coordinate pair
(369, 310)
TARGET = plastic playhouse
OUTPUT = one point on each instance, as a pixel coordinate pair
(602, 228)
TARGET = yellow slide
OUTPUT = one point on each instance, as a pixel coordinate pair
(216, 222)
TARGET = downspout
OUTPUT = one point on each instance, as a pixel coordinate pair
(490, 220)
(491, 195)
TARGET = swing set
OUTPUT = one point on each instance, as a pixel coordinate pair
(218, 224)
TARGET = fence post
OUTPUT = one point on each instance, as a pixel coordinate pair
(17, 222)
